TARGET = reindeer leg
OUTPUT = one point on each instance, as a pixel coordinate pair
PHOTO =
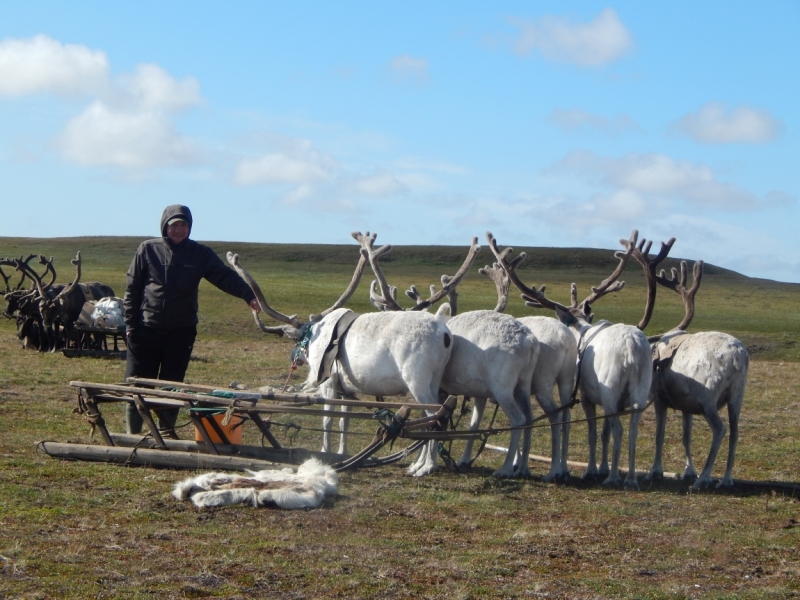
(590, 411)
(614, 426)
(426, 462)
(633, 432)
(565, 394)
(545, 399)
(327, 390)
(657, 470)
(604, 447)
(521, 464)
(515, 419)
(733, 438)
(477, 415)
(688, 473)
(344, 426)
(717, 434)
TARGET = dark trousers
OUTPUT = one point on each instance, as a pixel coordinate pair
(157, 354)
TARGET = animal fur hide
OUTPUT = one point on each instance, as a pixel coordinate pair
(306, 488)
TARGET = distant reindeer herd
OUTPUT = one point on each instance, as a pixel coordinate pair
(483, 354)
(46, 311)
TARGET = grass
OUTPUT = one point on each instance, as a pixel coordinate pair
(79, 530)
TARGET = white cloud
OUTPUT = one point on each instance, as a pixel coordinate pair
(428, 164)
(716, 123)
(131, 126)
(381, 182)
(407, 69)
(575, 119)
(42, 64)
(150, 87)
(129, 122)
(660, 177)
(618, 211)
(592, 44)
(127, 139)
(296, 162)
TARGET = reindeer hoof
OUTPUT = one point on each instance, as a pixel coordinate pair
(701, 484)
(631, 485)
(654, 476)
(612, 481)
(500, 474)
(725, 484)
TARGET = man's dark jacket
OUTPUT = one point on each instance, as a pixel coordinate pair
(163, 279)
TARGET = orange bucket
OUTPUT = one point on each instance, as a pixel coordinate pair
(233, 431)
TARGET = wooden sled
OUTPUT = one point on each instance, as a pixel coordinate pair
(163, 448)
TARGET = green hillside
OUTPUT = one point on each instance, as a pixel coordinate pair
(306, 278)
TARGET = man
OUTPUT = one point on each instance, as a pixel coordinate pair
(161, 304)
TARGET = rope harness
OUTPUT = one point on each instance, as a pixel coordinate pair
(299, 353)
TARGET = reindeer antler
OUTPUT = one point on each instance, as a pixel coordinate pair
(48, 267)
(531, 295)
(502, 283)
(376, 297)
(449, 284)
(678, 285)
(640, 253)
(610, 283)
(388, 298)
(292, 320)
(27, 271)
(77, 262)
(355, 280)
(5, 262)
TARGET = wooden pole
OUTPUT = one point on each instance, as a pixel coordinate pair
(279, 455)
(148, 419)
(154, 458)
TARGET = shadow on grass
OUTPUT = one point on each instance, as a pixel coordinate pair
(684, 487)
(670, 485)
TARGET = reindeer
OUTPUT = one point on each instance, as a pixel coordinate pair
(493, 356)
(555, 367)
(380, 354)
(63, 309)
(22, 304)
(696, 373)
(614, 371)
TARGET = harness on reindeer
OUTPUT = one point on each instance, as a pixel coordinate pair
(663, 351)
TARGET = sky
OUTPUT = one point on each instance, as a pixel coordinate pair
(565, 124)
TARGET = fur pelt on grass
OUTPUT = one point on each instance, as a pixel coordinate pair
(306, 488)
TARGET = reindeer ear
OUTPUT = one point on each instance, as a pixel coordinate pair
(587, 313)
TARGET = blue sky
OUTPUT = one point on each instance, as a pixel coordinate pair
(546, 123)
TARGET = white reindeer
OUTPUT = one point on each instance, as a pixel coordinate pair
(696, 374)
(615, 371)
(493, 356)
(555, 366)
(381, 354)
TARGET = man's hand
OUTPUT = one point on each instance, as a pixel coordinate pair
(255, 306)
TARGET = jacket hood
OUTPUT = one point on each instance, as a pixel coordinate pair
(172, 211)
